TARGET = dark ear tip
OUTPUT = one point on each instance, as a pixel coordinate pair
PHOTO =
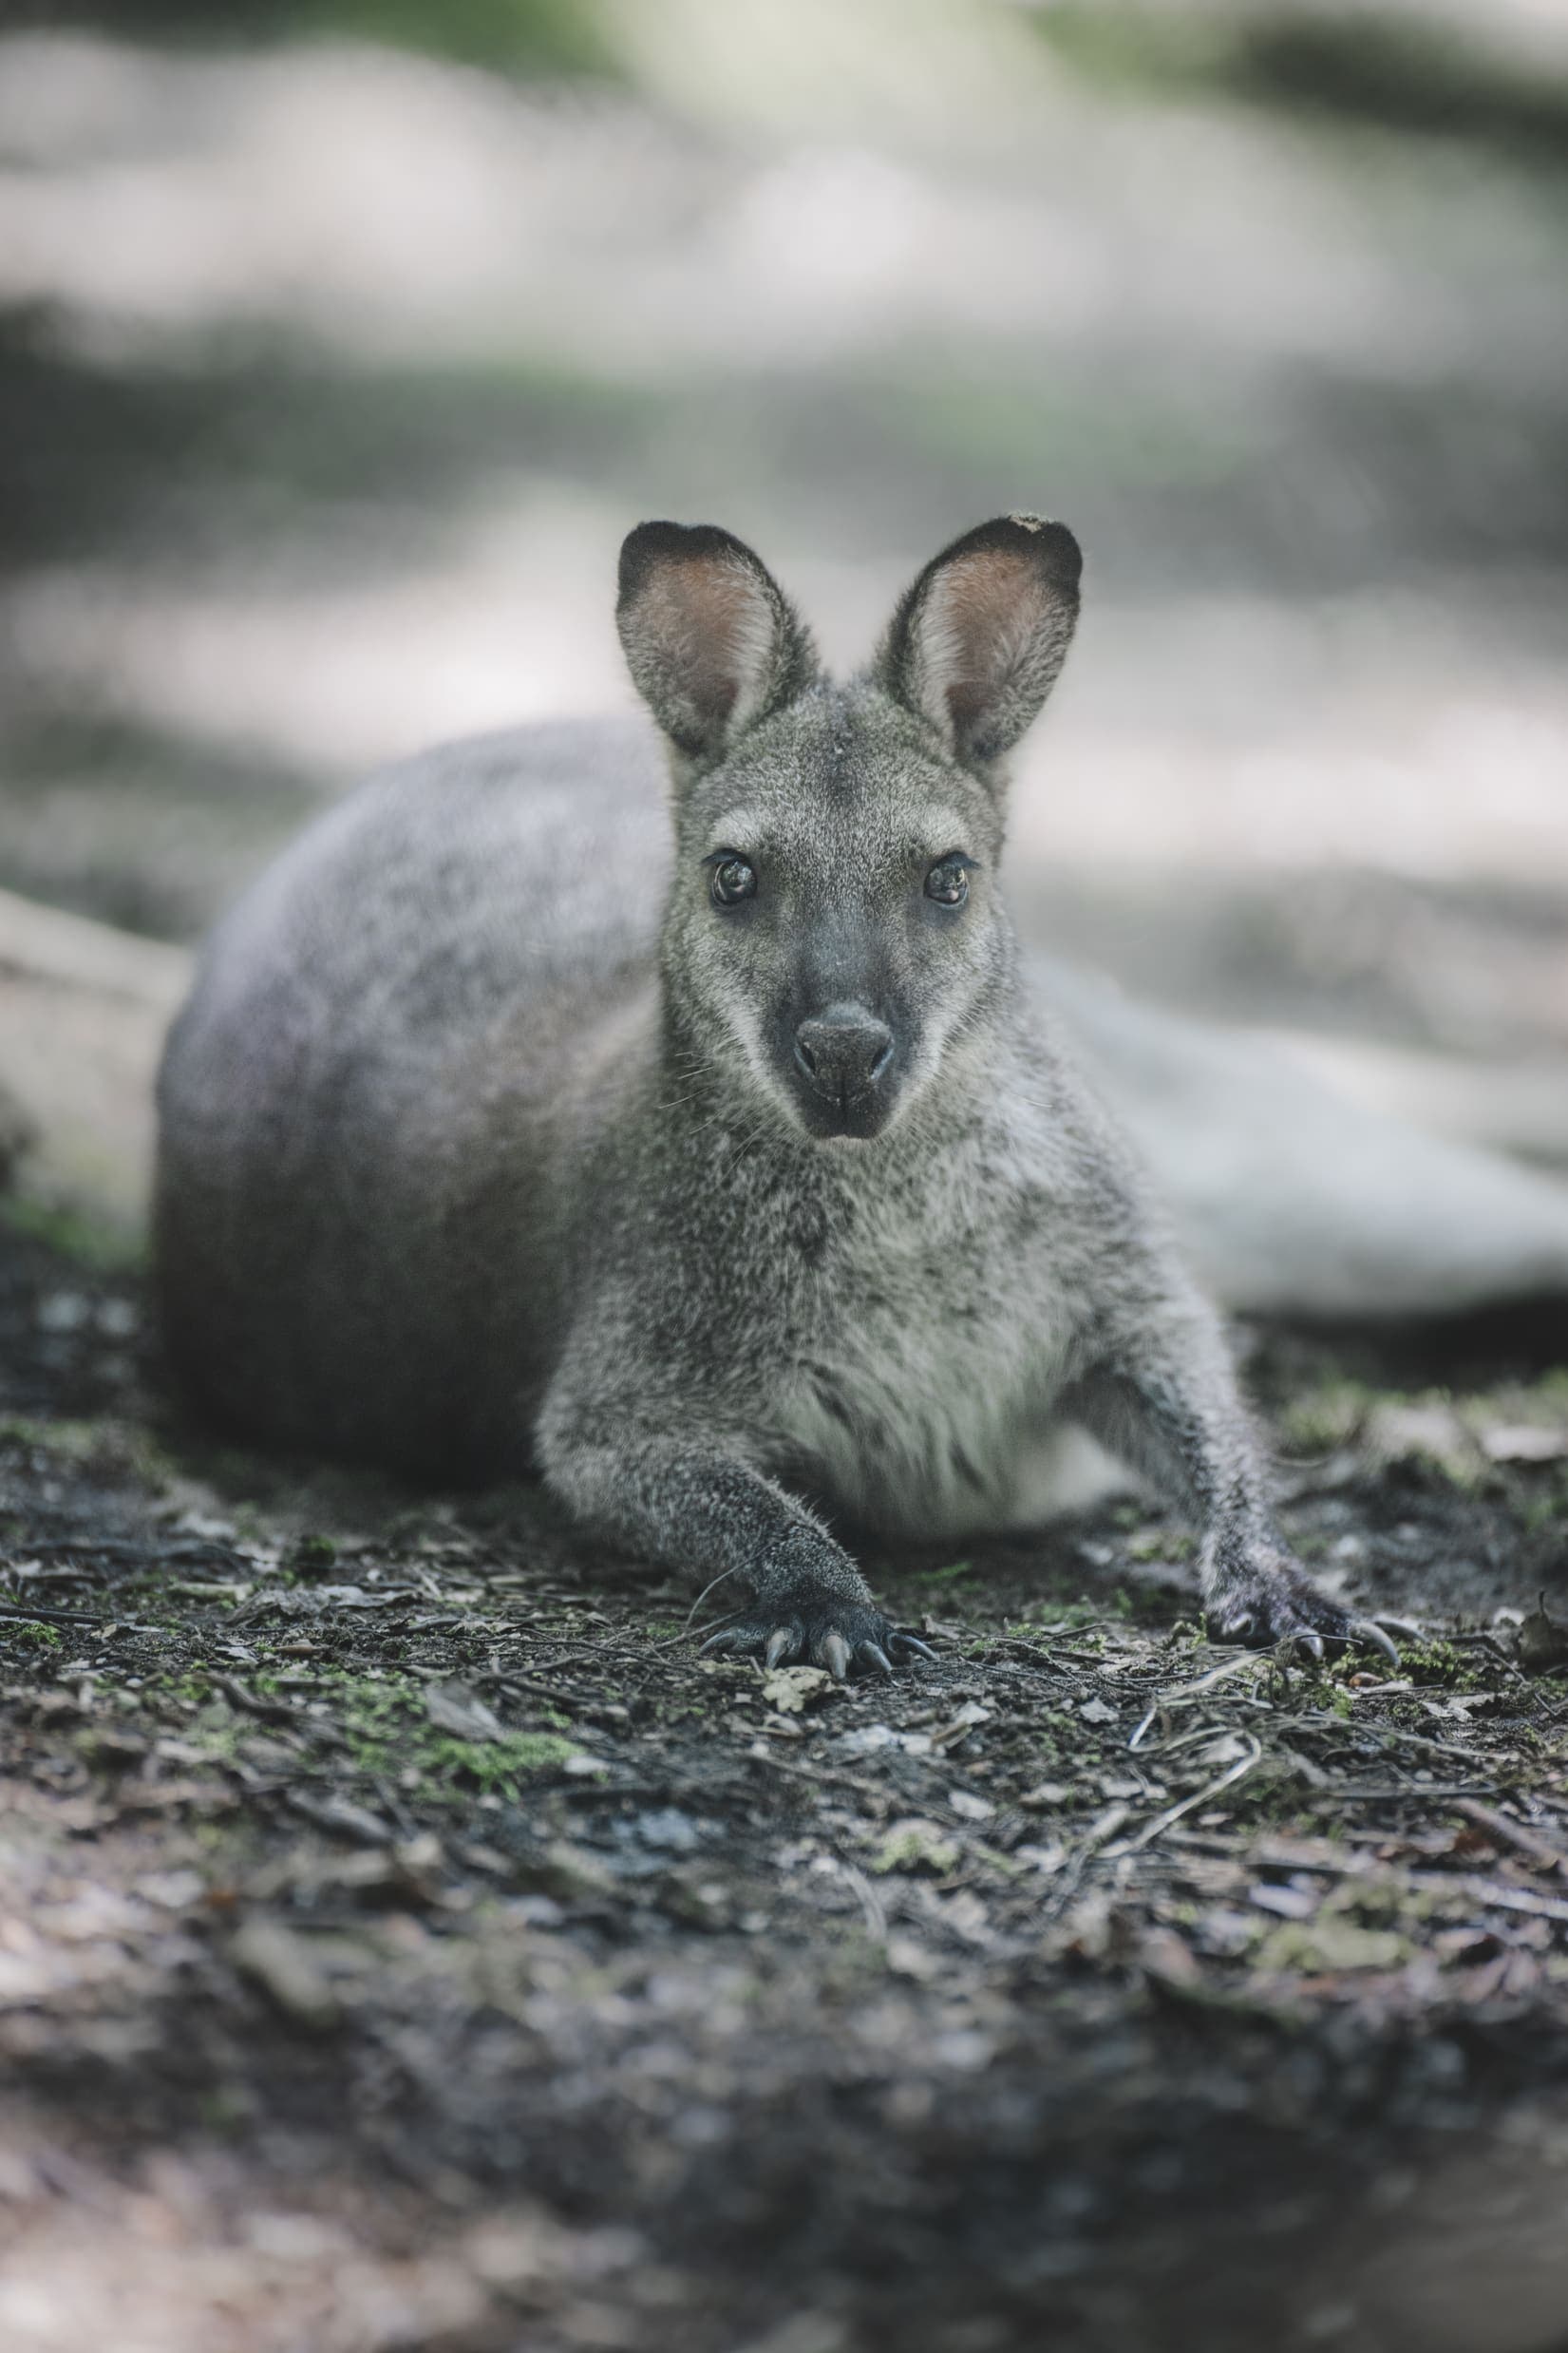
(1051, 544)
(645, 545)
(650, 544)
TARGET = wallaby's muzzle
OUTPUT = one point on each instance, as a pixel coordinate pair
(842, 1070)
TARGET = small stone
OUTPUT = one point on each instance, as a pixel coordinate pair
(1543, 1640)
(1526, 1442)
(667, 1827)
(457, 1710)
(282, 1965)
(62, 1311)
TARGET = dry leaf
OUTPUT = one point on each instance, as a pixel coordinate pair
(791, 1689)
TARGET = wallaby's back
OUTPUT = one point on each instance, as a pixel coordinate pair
(401, 1035)
(394, 1040)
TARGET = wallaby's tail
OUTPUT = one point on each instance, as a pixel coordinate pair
(1293, 1199)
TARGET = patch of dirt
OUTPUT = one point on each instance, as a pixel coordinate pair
(409, 1941)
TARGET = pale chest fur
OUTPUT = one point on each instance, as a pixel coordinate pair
(927, 1342)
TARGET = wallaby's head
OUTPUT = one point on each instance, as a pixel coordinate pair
(834, 931)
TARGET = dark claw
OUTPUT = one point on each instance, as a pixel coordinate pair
(912, 1642)
(1271, 1598)
(845, 1636)
(1365, 1630)
(835, 1656)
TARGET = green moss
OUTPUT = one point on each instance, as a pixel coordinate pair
(1540, 1513)
(545, 38)
(1158, 1544)
(38, 1635)
(193, 1688)
(1452, 1666)
(916, 1847)
(310, 1556)
(1083, 1616)
(1332, 1948)
(947, 1576)
(1006, 1864)
(109, 1448)
(1432, 1426)
(388, 1730)
(218, 1730)
(1328, 1416)
(87, 1242)
(498, 1765)
(68, 1441)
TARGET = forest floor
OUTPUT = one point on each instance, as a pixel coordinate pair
(406, 1940)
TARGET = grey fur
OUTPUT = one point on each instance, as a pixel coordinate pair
(470, 1160)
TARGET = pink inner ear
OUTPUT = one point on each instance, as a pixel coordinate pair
(715, 621)
(984, 613)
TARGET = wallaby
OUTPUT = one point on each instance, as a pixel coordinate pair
(789, 1208)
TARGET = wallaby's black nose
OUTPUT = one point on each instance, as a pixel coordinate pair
(843, 1052)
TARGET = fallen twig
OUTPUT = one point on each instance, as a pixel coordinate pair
(870, 1902)
(1486, 1893)
(35, 1614)
(1185, 1693)
(1402, 1792)
(1008, 1646)
(341, 1816)
(1151, 1830)
(267, 1711)
(1529, 1842)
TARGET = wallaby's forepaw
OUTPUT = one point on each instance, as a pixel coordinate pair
(845, 1637)
(1267, 1598)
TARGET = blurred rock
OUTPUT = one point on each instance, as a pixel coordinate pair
(82, 1011)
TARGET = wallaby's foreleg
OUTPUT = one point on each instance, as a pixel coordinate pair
(699, 1505)
(1168, 1407)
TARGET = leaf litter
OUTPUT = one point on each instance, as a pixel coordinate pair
(392, 1869)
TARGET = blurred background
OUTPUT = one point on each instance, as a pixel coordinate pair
(341, 341)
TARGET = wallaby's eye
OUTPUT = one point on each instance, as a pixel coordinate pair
(948, 882)
(733, 880)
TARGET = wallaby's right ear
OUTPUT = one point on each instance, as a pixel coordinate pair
(977, 642)
(710, 639)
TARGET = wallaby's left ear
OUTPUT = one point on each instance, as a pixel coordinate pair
(711, 641)
(976, 643)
